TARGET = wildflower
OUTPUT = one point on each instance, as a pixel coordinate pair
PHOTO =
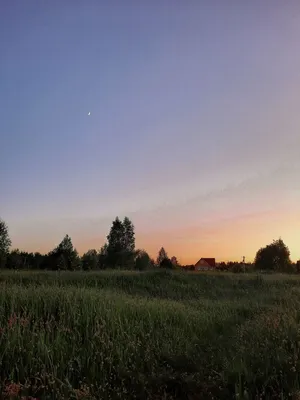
(12, 320)
(24, 321)
(12, 390)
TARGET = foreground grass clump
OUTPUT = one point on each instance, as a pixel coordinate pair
(148, 335)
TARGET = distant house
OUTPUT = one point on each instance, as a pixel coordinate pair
(205, 264)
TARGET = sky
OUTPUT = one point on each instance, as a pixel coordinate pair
(194, 131)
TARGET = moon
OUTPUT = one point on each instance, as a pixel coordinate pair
(89, 113)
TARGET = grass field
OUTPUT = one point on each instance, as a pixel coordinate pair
(149, 335)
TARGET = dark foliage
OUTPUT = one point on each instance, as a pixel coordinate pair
(90, 260)
(64, 256)
(166, 263)
(142, 260)
(121, 245)
(5, 243)
(162, 255)
(275, 257)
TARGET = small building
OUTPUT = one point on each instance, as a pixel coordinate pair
(205, 264)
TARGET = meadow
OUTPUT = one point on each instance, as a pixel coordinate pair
(149, 335)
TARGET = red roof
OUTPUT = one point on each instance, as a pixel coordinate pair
(210, 261)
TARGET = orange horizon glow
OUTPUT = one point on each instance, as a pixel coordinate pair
(225, 240)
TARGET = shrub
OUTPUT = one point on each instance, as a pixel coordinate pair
(275, 257)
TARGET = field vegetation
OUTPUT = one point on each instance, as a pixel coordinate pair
(155, 335)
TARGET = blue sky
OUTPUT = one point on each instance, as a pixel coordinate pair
(194, 121)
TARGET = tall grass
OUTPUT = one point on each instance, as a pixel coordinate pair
(148, 335)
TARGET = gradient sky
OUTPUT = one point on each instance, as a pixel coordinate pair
(194, 130)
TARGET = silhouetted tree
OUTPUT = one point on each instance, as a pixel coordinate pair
(27, 260)
(5, 243)
(129, 236)
(162, 254)
(142, 260)
(152, 261)
(166, 263)
(275, 257)
(174, 261)
(121, 244)
(189, 267)
(128, 257)
(38, 261)
(17, 259)
(236, 267)
(14, 260)
(90, 260)
(102, 258)
(163, 259)
(115, 247)
(222, 266)
(298, 266)
(64, 256)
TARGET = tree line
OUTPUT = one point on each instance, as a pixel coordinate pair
(118, 252)
(273, 257)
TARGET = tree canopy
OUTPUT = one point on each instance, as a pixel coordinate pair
(142, 260)
(5, 243)
(275, 256)
(64, 256)
(162, 255)
(121, 244)
(163, 260)
(90, 260)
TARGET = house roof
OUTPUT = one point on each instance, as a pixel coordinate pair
(210, 261)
